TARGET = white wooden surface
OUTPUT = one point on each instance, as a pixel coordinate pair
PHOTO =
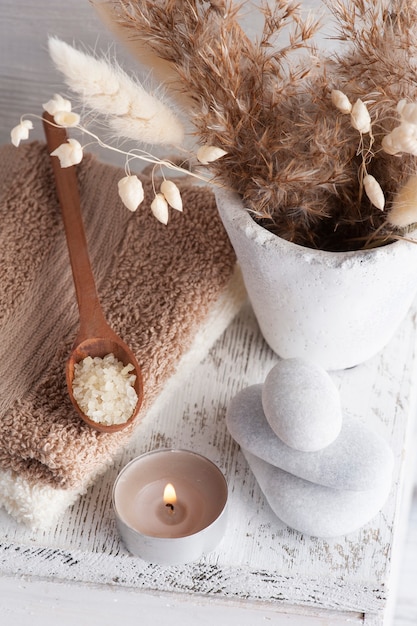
(79, 571)
(259, 561)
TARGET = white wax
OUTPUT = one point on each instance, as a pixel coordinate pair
(145, 511)
(179, 532)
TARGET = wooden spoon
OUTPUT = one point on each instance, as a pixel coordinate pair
(95, 338)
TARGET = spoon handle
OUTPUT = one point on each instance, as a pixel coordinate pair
(92, 321)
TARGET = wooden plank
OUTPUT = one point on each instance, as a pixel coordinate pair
(404, 611)
(49, 603)
(259, 559)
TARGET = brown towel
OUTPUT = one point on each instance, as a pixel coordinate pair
(157, 285)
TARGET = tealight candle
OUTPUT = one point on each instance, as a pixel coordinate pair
(170, 506)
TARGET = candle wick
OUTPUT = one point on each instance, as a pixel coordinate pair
(170, 506)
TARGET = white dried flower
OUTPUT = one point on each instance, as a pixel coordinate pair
(360, 118)
(341, 101)
(400, 105)
(389, 145)
(159, 208)
(60, 109)
(207, 154)
(56, 104)
(407, 111)
(374, 192)
(20, 132)
(403, 138)
(67, 118)
(70, 153)
(131, 191)
(404, 207)
(172, 194)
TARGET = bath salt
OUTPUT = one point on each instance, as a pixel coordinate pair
(104, 389)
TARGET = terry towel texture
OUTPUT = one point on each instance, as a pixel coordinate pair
(157, 285)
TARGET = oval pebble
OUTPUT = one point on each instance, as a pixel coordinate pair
(358, 460)
(313, 509)
(302, 404)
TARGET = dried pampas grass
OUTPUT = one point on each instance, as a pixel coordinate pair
(162, 71)
(306, 169)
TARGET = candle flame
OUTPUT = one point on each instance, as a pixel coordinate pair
(170, 497)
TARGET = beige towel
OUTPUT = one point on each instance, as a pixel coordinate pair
(157, 285)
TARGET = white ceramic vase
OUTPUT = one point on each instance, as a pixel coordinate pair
(336, 308)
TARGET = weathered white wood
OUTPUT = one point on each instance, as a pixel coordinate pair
(262, 571)
(402, 573)
(259, 558)
(67, 605)
(405, 610)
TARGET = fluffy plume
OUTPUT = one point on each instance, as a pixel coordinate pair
(162, 70)
(292, 154)
(404, 208)
(130, 110)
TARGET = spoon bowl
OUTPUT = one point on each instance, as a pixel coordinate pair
(100, 347)
(95, 337)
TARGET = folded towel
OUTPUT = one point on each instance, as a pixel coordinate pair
(169, 291)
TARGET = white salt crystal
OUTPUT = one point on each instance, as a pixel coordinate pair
(103, 389)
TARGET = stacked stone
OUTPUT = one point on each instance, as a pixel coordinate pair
(322, 473)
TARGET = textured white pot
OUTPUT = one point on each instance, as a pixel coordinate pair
(336, 308)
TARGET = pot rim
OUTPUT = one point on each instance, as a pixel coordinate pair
(242, 220)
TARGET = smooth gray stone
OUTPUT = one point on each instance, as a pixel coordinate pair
(302, 404)
(313, 509)
(359, 459)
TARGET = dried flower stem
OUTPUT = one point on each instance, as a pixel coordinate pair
(133, 154)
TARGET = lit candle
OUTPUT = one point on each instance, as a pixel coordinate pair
(170, 506)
